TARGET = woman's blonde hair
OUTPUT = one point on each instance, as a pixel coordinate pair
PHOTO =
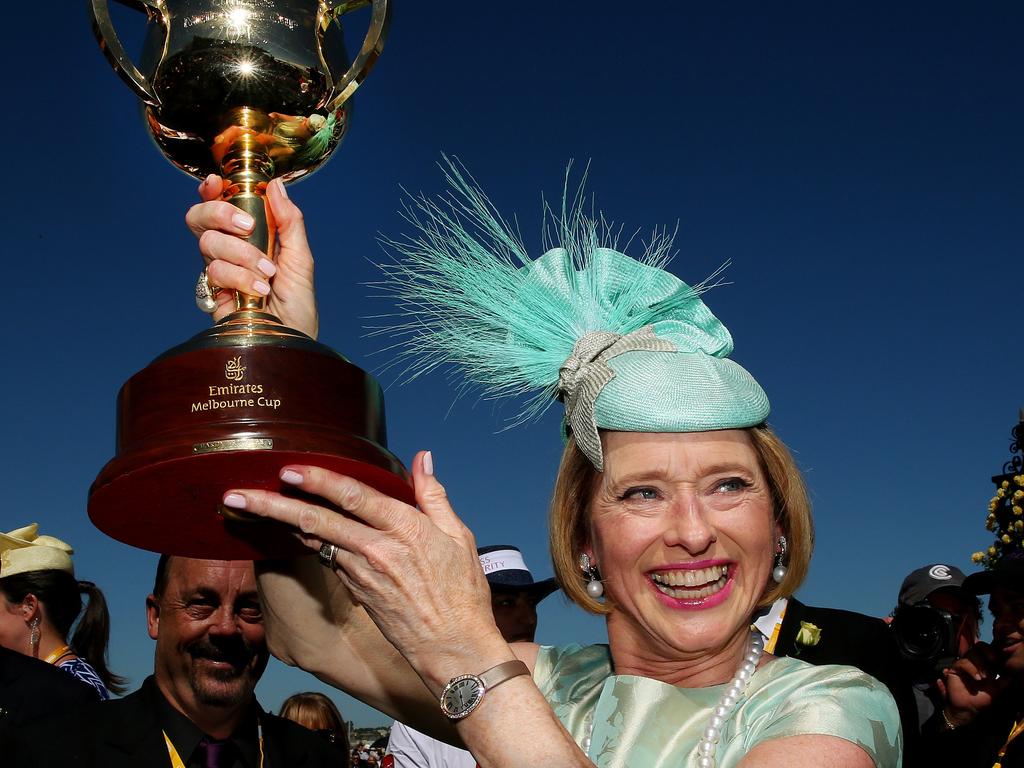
(569, 530)
(317, 713)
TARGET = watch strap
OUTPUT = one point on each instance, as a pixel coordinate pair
(495, 676)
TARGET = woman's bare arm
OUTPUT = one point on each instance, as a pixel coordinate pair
(436, 612)
(418, 576)
(313, 623)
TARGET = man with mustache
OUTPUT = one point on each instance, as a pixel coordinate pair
(982, 722)
(198, 709)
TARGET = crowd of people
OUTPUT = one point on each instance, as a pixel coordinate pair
(213, 652)
(678, 515)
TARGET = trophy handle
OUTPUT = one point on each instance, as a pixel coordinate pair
(110, 44)
(373, 44)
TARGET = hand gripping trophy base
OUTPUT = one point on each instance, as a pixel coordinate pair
(228, 409)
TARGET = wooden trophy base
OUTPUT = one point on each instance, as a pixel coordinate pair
(228, 409)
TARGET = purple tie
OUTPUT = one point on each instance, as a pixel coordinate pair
(213, 753)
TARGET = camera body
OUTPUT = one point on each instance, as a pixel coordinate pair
(926, 636)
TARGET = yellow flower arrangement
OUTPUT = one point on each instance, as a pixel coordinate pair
(1005, 518)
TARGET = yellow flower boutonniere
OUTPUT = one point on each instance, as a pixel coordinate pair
(808, 635)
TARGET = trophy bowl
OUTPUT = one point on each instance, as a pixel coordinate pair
(251, 90)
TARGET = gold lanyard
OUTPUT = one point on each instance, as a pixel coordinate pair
(1015, 731)
(173, 753)
(769, 646)
(60, 653)
(176, 761)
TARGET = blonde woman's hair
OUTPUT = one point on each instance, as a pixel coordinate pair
(317, 713)
(569, 529)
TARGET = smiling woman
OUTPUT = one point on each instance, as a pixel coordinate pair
(682, 529)
(675, 503)
(578, 481)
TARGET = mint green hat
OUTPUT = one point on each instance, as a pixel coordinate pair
(624, 344)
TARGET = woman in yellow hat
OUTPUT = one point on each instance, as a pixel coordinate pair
(40, 600)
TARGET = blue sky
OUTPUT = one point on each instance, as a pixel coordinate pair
(859, 163)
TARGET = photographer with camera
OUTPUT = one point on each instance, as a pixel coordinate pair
(982, 715)
(934, 624)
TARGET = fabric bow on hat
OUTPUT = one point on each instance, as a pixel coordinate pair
(585, 373)
(23, 550)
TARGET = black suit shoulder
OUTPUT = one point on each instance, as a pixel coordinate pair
(31, 689)
(124, 733)
(118, 733)
(846, 638)
(290, 744)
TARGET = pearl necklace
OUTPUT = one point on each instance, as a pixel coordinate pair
(719, 715)
(723, 711)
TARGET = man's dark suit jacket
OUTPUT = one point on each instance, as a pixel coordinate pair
(31, 689)
(857, 641)
(126, 732)
(976, 744)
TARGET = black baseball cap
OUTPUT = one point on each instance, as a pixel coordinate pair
(1008, 571)
(927, 579)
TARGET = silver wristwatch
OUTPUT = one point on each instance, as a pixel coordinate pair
(464, 693)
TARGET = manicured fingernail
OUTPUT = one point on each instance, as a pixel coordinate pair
(267, 267)
(428, 463)
(281, 188)
(261, 288)
(242, 220)
(234, 500)
(291, 477)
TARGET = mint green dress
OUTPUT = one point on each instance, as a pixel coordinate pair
(625, 721)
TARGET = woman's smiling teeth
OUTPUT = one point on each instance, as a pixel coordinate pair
(691, 584)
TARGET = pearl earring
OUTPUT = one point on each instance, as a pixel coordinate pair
(594, 586)
(779, 572)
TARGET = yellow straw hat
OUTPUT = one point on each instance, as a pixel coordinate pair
(23, 550)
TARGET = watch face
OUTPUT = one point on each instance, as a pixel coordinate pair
(461, 696)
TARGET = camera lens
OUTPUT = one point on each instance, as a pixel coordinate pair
(924, 635)
(920, 632)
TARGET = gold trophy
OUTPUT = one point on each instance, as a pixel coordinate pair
(251, 90)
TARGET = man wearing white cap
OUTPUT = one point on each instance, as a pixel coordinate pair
(514, 598)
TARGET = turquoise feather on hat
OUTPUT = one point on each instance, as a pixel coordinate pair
(623, 343)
